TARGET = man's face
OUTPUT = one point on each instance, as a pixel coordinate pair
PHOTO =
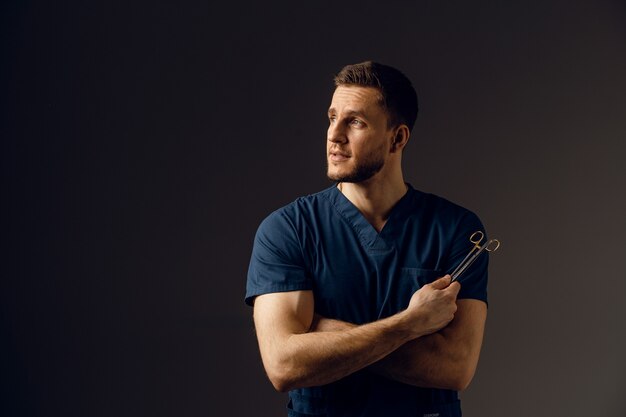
(358, 135)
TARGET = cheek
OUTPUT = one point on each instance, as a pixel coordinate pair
(368, 145)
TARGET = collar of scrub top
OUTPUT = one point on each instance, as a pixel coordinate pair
(490, 246)
(368, 235)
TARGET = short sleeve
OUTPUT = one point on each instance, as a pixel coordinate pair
(473, 280)
(277, 262)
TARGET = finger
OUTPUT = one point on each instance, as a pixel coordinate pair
(441, 283)
(454, 288)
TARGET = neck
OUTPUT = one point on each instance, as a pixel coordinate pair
(375, 198)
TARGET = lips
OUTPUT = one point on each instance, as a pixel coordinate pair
(338, 156)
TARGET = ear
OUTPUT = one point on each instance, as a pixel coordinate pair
(401, 138)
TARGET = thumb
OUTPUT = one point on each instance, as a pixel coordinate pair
(441, 283)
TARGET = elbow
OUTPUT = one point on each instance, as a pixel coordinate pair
(461, 379)
(459, 384)
(280, 383)
(282, 376)
(462, 370)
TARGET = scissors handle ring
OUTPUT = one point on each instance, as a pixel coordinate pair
(492, 245)
(476, 237)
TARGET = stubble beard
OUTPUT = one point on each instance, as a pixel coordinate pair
(361, 172)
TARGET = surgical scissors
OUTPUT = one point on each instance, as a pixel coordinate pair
(491, 246)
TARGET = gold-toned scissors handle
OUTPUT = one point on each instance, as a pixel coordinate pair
(477, 237)
(492, 245)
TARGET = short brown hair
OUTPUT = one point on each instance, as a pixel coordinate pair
(398, 97)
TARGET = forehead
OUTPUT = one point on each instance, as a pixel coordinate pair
(356, 98)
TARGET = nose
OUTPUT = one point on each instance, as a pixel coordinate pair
(336, 133)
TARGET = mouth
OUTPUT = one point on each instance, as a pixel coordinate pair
(336, 156)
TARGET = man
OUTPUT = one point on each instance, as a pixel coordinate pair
(354, 312)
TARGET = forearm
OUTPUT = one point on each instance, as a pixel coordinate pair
(318, 358)
(446, 359)
(295, 354)
(432, 361)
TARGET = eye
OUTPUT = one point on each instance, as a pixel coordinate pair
(357, 122)
(332, 118)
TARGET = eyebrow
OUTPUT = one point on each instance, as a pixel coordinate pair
(349, 112)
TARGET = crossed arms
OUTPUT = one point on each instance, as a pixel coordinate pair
(435, 342)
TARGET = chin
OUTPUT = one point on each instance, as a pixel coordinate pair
(332, 176)
(336, 174)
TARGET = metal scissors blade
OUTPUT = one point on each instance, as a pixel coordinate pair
(490, 246)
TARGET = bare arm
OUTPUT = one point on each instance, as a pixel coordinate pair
(295, 357)
(446, 359)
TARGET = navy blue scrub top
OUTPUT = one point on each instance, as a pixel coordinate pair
(322, 242)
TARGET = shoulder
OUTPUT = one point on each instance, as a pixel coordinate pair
(447, 219)
(297, 213)
(440, 207)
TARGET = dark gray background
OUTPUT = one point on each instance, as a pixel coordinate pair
(143, 142)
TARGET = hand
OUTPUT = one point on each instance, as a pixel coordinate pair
(432, 307)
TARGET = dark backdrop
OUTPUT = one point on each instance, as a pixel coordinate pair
(143, 142)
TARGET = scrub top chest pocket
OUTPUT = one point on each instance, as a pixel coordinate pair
(362, 295)
(402, 287)
(420, 276)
